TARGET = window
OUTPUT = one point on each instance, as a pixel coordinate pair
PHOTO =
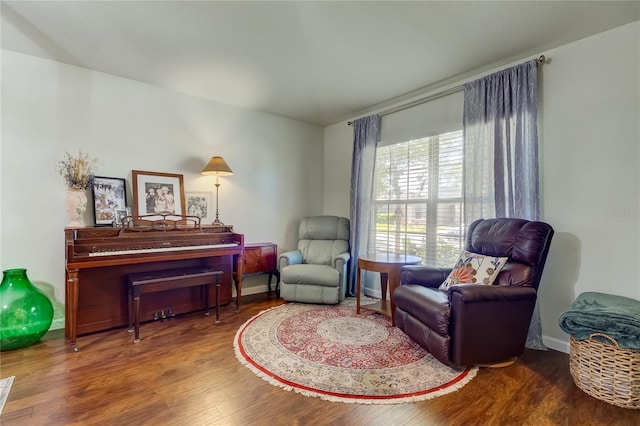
(417, 199)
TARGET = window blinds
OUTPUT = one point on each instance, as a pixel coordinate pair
(418, 182)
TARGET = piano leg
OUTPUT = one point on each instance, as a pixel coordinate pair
(218, 279)
(205, 289)
(136, 317)
(130, 303)
(71, 307)
(237, 278)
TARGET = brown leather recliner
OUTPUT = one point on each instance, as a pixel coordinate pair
(475, 324)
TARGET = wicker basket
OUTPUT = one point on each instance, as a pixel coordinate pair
(606, 371)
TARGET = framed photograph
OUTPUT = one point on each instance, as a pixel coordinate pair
(120, 215)
(157, 193)
(199, 204)
(109, 196)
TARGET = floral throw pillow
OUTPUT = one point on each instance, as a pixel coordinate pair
(473, 268)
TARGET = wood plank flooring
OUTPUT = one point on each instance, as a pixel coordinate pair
(184, 372)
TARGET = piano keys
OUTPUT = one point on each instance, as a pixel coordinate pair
(98, 260)
(160, 249)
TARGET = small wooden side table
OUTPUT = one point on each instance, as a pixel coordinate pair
(261, 258)
(389, 267)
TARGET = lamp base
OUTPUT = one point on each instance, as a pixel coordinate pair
(217, 221)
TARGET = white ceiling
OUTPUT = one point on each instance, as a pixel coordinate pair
(317, 62)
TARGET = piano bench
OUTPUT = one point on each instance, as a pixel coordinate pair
(168, 279)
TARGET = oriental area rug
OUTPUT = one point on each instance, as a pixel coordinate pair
(330, 352)
(5, 387)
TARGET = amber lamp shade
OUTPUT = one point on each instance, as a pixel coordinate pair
(217, 167)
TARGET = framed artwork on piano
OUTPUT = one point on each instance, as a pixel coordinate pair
(109, 196)
(199, 204)
(157, 193)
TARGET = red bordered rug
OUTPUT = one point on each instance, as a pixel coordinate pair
(330, 352)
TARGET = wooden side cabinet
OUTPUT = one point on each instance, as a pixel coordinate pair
(262, 258)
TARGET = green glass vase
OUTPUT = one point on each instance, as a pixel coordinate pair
(25, 312)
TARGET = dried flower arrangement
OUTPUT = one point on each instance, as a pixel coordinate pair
(76, 171)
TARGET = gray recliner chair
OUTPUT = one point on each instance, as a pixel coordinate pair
(317, 271)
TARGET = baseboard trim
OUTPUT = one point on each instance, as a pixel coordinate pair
(372, 292)
(556, 344)
(247, 291)
(57, 324)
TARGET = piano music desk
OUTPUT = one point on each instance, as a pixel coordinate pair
(155, 281)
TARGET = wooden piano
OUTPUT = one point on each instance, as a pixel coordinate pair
(99, 259)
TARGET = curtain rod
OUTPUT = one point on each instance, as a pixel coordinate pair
(541, 60)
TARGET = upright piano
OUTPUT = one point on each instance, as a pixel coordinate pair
(99, 259)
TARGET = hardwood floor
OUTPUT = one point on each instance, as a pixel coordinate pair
(184, 372)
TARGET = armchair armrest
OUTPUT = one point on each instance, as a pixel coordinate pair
(472, 293)
(341, 260)
(496, 317)
(426, 276)
(289, 258)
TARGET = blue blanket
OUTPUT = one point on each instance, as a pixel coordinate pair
(615, 316)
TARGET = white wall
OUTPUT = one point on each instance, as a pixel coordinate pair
(590, 181)
(590, 138)
(338, 146)
(49, 108)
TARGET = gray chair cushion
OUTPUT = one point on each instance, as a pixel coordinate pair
(322, 238)
(321, 252)
(322, 275)
(324, 228)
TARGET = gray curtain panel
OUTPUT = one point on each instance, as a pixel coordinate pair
(501, 153)
(501, 145)
(366, 133)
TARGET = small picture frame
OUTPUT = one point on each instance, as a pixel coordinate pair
(157, 193)
(109, 196)
(199, 204)
(120, 215)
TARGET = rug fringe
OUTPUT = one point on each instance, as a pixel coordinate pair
(332, 398)
(5, 388)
